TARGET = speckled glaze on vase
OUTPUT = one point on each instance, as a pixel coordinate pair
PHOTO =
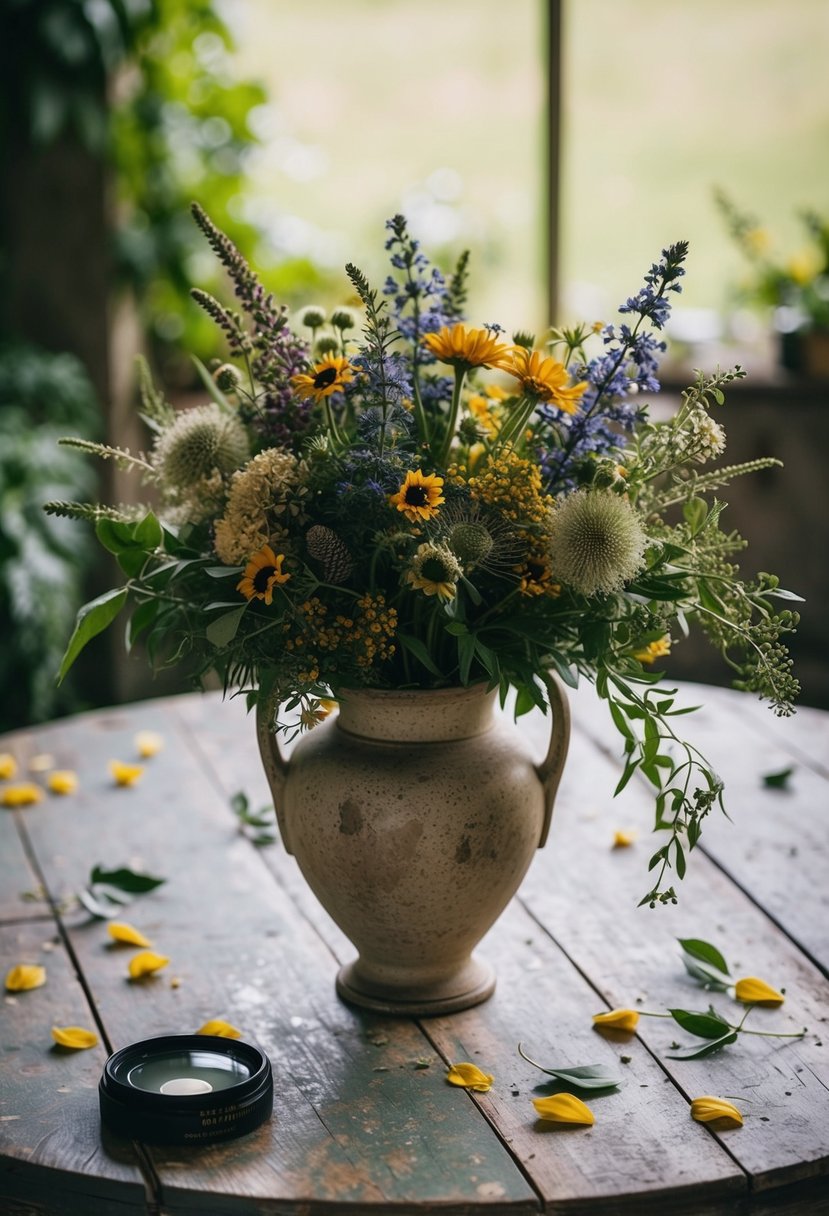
(413, 817)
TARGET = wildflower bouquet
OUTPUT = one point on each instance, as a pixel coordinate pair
(430, 504)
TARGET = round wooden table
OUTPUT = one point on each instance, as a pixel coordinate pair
(364, 1121)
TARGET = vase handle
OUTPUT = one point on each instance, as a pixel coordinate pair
(552, 766)
(275, 764)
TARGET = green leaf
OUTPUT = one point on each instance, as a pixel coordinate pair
(703, 1025)
(126, 880)
(584, 1076)
(695, 512)
(99, 907)
(211, 385)
(91, 620)
(707, 976)
(705, 1049)
(778, 780)
(704, 952)
(147, 532)
(223, 630)
(416, 647)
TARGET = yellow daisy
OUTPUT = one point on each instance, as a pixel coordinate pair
(420, 496)
(262, 573)
(435, 571)
(331, 373)
(545, 379)
(467, 348)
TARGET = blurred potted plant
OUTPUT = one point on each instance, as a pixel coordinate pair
(796, 288)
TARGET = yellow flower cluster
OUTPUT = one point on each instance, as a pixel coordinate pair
(513, 485)
(365, 636)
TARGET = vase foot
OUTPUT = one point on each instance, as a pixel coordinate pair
(473, 984)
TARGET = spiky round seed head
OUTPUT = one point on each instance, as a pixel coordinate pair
(470, 542)
(227, 377)
(199, 443)
(313, 316)
(343, 318)
(598, 542)
(328, 345)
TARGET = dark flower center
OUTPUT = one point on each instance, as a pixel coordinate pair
(416, 496)
(325, 378)
(262, 577)
(434, 570)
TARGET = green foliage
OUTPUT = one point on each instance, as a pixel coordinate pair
(108, 891)
(582, 1076)
(44, 563)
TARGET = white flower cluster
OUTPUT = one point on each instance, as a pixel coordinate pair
(704, 438)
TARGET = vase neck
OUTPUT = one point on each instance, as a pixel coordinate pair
(417, 715)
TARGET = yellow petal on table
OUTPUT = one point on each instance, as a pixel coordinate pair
(710, 1110)
(623, 840)
(120, 931)
(41, 763)
(125, 774)
(469, 1076)
(148, 743)
(147, 962)
(62, 781)
(757, 992)
(8, 766)
(564, 1108)
(75, 1037)
(617, 1019)
(25, 976)
(26, 793)
(222, 1030)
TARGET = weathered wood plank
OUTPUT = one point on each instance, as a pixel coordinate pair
(357, 1125)
(18, 883)
(51, 1153)
(776, 841)
(585, 893)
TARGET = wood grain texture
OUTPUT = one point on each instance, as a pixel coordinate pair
(356, 1122)
(50, 1136)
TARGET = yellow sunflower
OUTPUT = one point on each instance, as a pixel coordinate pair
(420, 496)
(467, 348)
(545, 379)
(435, 571)
(262, 573)
(332, 372)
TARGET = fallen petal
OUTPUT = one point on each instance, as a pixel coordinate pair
(25, 976)
(8, 766)
(753, 991)
(75, 1037)
(222, 1030)
(41, 763)
(707, 1110)
(617, 1019)
(564, 1108)
(125, 774)
(120, 931)
(23, 794)
(147, 962)
(469, 1076)
(148, 743)
(62, 781)
(623, 840)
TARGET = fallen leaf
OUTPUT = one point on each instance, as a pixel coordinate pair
(469, 1076)
(222, 1030)
(120, 931)
(25, 976)
(75, 1037)
(146, 962)
(564, 1108)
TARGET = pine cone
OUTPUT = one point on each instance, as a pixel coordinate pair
(330, 551)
